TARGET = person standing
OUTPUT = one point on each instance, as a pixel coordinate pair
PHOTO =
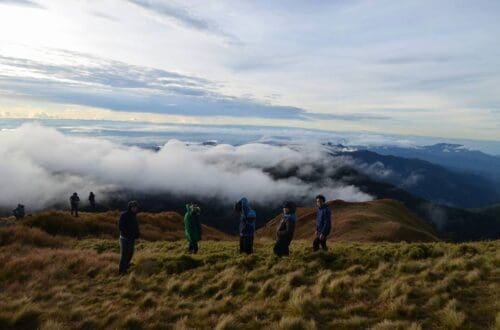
(286, 228)
(129, 232)
(247, 225)
(323, 223)
(92, 200)
(74, 200)
(192, 226)
(19, 212)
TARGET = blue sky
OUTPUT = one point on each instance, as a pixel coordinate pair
(429, 68)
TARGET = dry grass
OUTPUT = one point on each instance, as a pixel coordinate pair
(154, 226)
(58, 282)
(375, 221)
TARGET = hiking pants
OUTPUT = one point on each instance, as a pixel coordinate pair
(282, 247)
(193, 247)
(126, 251)
(317, 242)
(246, 244)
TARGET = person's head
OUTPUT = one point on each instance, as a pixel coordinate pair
(320, 200)
(289, 207)
(238, 207)
(133, 206)
(74, 194)
(195, 207)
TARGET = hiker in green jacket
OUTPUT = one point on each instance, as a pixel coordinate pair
(192, 226)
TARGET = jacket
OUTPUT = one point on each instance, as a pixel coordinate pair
(129, 226)
(287, 227)
(192, 225)
(324, 220)
(247, 219)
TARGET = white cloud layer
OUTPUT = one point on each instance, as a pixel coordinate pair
(41, 167)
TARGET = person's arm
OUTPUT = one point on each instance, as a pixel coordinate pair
(281, 232)
(138, 232)
(122, 225)
(326, 222)
(187, 224)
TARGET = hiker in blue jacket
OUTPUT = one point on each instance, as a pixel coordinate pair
(129, 232)
(247, 225)
(323, 223)
(286, 228)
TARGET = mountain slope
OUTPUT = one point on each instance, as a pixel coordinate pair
(452, 156)
(379, 220)
(153, 226)
(427, 180)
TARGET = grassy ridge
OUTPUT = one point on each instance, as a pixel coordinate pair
(353, 286)
(382, 220)
(154, 226)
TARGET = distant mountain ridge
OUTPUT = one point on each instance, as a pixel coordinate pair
(424, 179)
(453, 156)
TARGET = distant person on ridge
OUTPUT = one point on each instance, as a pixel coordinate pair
(74, 200)
(286, 228)
(19, 212)
(323, 223)
(192, 226)
(247, 225)
(129, 232)
(92, 201)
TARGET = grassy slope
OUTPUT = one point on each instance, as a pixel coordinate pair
(379, 220)
(154, 226)
(73, 284)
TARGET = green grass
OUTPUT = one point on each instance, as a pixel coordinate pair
(352, 286)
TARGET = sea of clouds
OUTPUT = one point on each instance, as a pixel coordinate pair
(40, 167)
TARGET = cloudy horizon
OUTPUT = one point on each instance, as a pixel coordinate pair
(413, 67)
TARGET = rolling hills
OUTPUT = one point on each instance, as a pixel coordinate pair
(379, 220)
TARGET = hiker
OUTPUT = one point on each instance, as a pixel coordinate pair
(286, 228)
(19, 212)
(323, 223)
(247, 225)
(92, 200)
(74, 200)
(129, 232)
(192, 226)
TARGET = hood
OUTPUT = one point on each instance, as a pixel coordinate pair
(245, 206)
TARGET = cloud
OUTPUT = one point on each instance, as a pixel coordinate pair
(41, 166)
(184, 17)
(347, 117)
(25, 3)
(92, 81)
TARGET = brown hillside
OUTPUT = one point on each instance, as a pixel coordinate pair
(153, 226)
(374, 221)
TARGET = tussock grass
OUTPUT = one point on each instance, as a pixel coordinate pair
(74, 284)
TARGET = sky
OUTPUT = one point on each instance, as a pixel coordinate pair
(426, 68)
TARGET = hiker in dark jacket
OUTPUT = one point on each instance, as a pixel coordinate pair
(192, 226)
(74, 200)
(19, 212)
(323, 223)
(92, 200)
(247, 225)
(286, 228)
(129, 232)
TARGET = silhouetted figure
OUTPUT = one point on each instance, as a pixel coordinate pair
(286, 228)
(192, 226)
(323, 223)
(74, 201)
(19, 212)
(129, 232)
(247, 225)
(92, 201)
